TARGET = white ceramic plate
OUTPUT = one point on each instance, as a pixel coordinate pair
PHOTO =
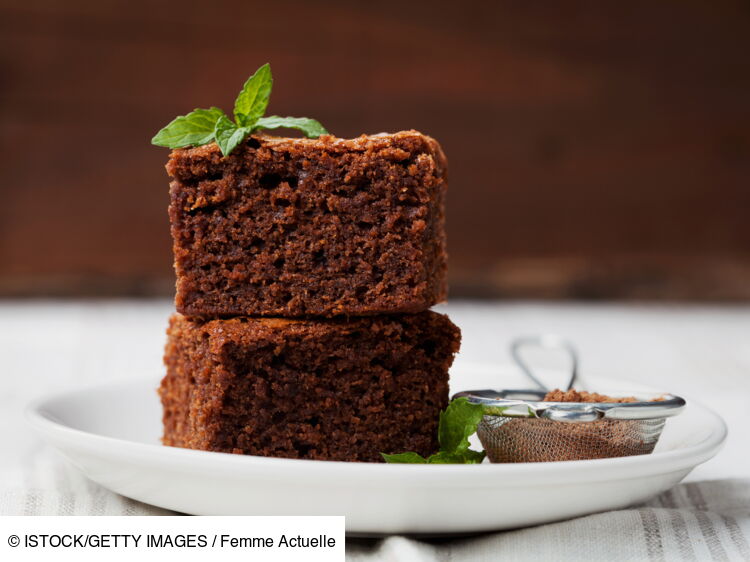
(111, 433)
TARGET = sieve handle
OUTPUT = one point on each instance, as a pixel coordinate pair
(545, 341)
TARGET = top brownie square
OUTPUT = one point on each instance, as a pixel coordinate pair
(301, 227)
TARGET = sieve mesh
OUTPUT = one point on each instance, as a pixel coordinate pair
(507, 439)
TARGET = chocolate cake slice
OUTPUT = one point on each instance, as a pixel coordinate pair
(298, 227)
(325, 389)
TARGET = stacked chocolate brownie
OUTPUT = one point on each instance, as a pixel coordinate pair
(305, 271)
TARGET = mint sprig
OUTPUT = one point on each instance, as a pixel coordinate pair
(457, 423)
(202, 126)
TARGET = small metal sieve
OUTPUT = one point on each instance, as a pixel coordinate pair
(518, 426)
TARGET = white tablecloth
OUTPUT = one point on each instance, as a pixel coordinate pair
(697, 351)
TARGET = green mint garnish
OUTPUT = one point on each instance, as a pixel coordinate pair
(228, 135)
(310, 127)
(405, 458)
(457, 423)
(252, 101)
(202, 126)
(195, 128)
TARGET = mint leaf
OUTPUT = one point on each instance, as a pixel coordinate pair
(310, 127)
(472, 457)
(228, 135)
(404, 458)
(445, 458)
(252, 101)
(463, 457)
(194, 129)
(457, 423)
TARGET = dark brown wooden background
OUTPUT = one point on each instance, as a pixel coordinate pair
(597, 149)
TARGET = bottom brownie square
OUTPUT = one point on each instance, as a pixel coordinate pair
(323, 389)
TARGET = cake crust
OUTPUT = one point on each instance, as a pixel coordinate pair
(301, 227)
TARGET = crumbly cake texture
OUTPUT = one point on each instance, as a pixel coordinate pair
(326, 389)
(298, 227)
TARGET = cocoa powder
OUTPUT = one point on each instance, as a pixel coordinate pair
(558, 395)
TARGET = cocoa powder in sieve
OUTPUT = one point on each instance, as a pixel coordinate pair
(539, 440)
